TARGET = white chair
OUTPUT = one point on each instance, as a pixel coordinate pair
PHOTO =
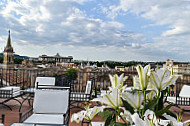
(182, 99)
(44, 82)
(78, 97)
(41, 82)
(9, 93)
(50, 107)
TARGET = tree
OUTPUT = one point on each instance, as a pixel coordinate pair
(18, 61)
(71, 73)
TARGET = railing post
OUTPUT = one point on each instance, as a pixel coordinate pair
(9, 77)
(2, 77)
(23, 79)
(16, 76)
(3, 118)
(6, 76)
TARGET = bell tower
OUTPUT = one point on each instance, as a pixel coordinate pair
(8, 55)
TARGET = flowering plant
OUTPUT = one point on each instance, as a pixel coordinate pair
(141, 104)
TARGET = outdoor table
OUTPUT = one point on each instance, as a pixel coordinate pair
(28, 94)
(32, 124)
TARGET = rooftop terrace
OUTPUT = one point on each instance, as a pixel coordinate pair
(26, 78)
(13, 116)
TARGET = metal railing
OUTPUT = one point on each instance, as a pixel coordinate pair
(25, 78)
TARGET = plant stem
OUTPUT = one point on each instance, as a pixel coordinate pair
(118, 112)
(144, 92)
(158, 100)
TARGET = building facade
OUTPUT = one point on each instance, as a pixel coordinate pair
(8, 54)
(179, 68)
(56, 58)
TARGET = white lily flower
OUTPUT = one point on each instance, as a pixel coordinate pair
(152, 93)
(117, 80)
(149, 119)
(112, 99)
(149, 114)
(143, 75)
(136, 82)
(162, 79)
(134, 99)
(174, 122)
(126, 114)
(77, 117)
(88, 114)
(139, 122)
(92, 112)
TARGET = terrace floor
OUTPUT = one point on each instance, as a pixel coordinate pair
(13, 116)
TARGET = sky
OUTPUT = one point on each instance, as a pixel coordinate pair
(119, 30)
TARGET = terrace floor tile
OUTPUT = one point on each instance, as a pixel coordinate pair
(13, 116)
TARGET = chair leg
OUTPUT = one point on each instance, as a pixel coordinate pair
(29, 102)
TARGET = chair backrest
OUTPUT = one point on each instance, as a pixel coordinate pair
(185, 91)
(51, 101)
(50, 81)
(88, 87)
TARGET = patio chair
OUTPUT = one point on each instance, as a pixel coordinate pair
(9, 93)
(80, 97)
(41, 82)
(48, 83)
(45, 82)
(2, 118)
(50, 107)
(183, 99)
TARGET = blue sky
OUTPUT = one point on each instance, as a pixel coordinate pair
(121, 30)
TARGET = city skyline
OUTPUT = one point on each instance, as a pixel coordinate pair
(123, 30)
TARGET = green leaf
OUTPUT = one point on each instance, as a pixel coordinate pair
(105, 114)
(160, 102)
(171, 114)
(164, 110)
(151, 105)
(128, 107)
(120, 124)
(108, 121)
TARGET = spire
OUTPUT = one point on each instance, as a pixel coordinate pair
(9, 40)
(8, 47)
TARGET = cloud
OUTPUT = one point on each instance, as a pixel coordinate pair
(65, 26)
(46, 22)
(173, 14)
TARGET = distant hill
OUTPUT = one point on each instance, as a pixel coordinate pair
(20, 57)
(17, 56)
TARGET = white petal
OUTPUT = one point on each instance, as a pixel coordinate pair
(137, 120)
(135, 100)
